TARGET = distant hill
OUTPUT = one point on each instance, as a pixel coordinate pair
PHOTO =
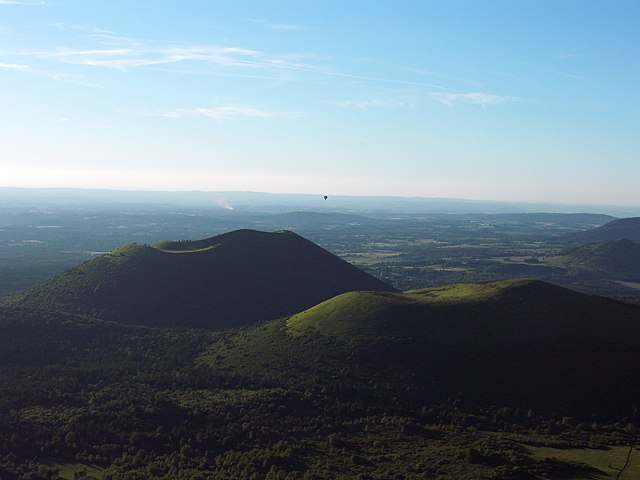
(518, 343)
(618, 259)
(230, 280)
(624, 228)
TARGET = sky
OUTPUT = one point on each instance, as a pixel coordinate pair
(535, 101)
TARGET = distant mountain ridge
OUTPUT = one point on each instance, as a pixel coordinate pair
(37, 197)
(619, 259)
(621, 229)
(234, 279)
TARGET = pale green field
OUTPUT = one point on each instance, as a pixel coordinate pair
(369, 258)
(68, 470)
(610, 462)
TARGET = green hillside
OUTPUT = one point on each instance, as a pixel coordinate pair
(381, 313)
(516, 342)
(506, 310)
(229, 280)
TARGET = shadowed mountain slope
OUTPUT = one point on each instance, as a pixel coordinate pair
(619, 259)
(624, 228)
(517, 343)
(230, 280)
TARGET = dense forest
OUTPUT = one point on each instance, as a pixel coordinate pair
(84, 398)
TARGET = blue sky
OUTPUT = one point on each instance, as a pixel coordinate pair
(502, 100)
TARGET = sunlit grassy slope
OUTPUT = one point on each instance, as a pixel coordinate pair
(614, 463)
(377, 312)
(229, 280)
(514, 309)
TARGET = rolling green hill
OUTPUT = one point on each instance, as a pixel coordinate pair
(618, 259)
(500, 311)
(233, 279)
(509, 343)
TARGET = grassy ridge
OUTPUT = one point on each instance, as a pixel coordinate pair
(515, 342)
(383, 313)
(501, 311)
(187, 246)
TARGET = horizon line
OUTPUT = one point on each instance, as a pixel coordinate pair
(396, 196)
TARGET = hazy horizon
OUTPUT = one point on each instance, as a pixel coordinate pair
(312, 202)
(532, 102)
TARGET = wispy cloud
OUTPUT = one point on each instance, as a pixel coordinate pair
(510, 75)
(125, 54)
(110, 50)
(475, 98)
(129, 58)
(363, 104)
(553, 71)
(100, 35)
(21, 2)
(445, 76)
(569, 56)
(219, 114)
(277, 26)
(58, 76)
(15, 66)
(97, 126)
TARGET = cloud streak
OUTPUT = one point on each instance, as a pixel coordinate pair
(474, 98)
(445, 76)
(219, 114)
(127, 58)
(277, 26)
(20, 2)
(364, 104)
(108, 49)
(58, 76)
(126, 54)
(15, 67)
